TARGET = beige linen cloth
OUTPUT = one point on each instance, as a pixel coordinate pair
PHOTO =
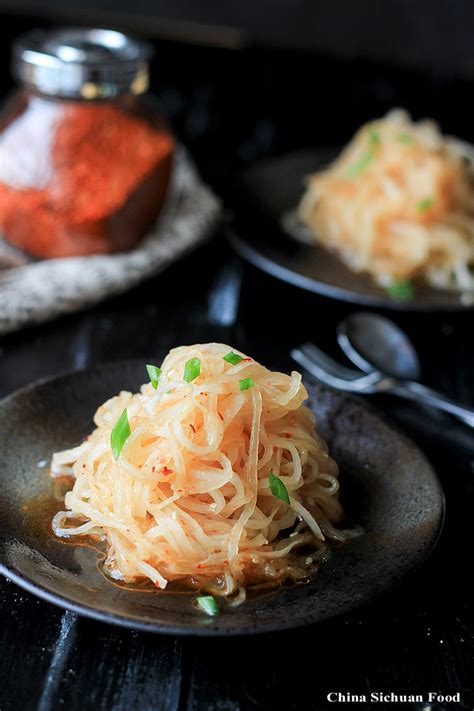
(33, 291)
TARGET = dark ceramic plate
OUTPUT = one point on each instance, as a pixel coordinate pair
(389, 488)
(266, 233)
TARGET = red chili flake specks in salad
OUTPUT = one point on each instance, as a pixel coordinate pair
(193, 428)
(246, 360)
(166, 471)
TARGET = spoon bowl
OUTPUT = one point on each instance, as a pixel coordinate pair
(373, 342)
(380, 348)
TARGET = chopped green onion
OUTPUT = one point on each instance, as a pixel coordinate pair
(246, 383)
(208, 605)
(233, 358)
(154, 374)
(425, 204)
(404, 138)
(366, 158)
(401, 290)
(192, 369)
(278, 488)
(374, 136)
(120, 434)
(360, 165)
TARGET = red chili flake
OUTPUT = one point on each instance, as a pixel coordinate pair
(153, 469)
(157, 584)
(246, 360)
(166, 471)
(199, 566)
(221, 416)
(193, 428)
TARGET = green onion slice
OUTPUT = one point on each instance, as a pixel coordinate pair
(278, 488)
(208, 605)
(425, 204)
(233, 358)
(401, 290)
(192, 369)
(246, 383)
(374, 136)
(154, 374)
(360, 165)
(404, 138)
(120, 433)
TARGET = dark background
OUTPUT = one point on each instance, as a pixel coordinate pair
(239, 82)
(435, 34)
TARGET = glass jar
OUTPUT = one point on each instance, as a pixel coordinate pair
(85, 158)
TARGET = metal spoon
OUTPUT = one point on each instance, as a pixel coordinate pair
(376, 344)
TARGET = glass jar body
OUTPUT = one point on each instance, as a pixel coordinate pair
(81, 177)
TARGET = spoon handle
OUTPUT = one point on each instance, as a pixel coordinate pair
(420, 393)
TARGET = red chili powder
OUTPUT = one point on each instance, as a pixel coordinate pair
(110, 170)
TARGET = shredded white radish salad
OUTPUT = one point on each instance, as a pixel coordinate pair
(213, 473)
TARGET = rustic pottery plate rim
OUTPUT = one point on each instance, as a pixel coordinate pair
(107, 616)
(263, 254)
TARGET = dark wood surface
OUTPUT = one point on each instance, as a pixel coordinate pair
(419, 638)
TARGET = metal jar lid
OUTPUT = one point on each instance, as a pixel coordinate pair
(79, 63)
